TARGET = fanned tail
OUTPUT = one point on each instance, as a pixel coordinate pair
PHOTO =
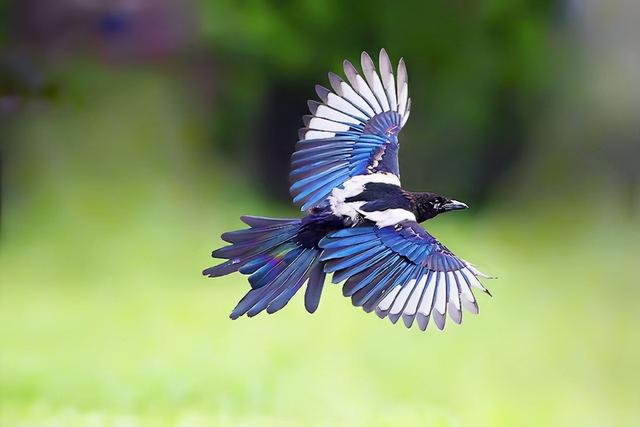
(276, 262)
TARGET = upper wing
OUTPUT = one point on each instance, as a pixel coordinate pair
(353, 131)
(403, 271)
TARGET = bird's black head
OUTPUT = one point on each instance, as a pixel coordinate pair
(428, 205)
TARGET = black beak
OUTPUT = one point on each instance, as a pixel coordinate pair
(454, 205)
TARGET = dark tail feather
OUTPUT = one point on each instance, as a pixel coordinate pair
(277, 264)
(314, 288)
(253, 247)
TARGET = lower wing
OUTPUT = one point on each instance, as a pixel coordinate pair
(401, 271)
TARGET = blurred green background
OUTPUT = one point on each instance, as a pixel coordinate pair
(135, 132)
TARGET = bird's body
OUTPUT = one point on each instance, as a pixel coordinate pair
(360, 224)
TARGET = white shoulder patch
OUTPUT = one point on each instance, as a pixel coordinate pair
(354, 186)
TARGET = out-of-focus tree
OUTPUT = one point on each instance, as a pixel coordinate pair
(477, 72)
(137, 31)
(588, 140)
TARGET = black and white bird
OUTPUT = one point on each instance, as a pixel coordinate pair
(360, 224)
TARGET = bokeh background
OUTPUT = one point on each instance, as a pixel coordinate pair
(134, 132)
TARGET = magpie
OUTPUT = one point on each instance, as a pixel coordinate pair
(360, 225)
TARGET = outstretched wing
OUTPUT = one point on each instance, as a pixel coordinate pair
(353, 131)
(403, 271)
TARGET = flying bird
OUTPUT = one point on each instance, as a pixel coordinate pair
(360, 224)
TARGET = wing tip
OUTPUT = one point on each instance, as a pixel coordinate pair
(408, 320)
(402, 68)
(313, 106)
(335, 82)
(384, 58)
(367, 62)
(439, 319)
(322, 92)
(347, 65)
(423, 321)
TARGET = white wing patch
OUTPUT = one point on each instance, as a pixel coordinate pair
(354, 186)
(317, 134)
(329, 113)
(319, 123)
(432, 296)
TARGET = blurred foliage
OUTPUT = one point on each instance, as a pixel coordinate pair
(4, 21)
(110, 324)
(476, 71)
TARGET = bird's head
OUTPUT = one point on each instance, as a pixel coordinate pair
(428, 205)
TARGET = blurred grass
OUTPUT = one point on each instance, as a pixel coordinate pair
(105, 319)
(557, 345)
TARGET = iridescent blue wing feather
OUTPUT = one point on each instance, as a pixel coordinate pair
(277, 263)
(401, 271)
(352, 131)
